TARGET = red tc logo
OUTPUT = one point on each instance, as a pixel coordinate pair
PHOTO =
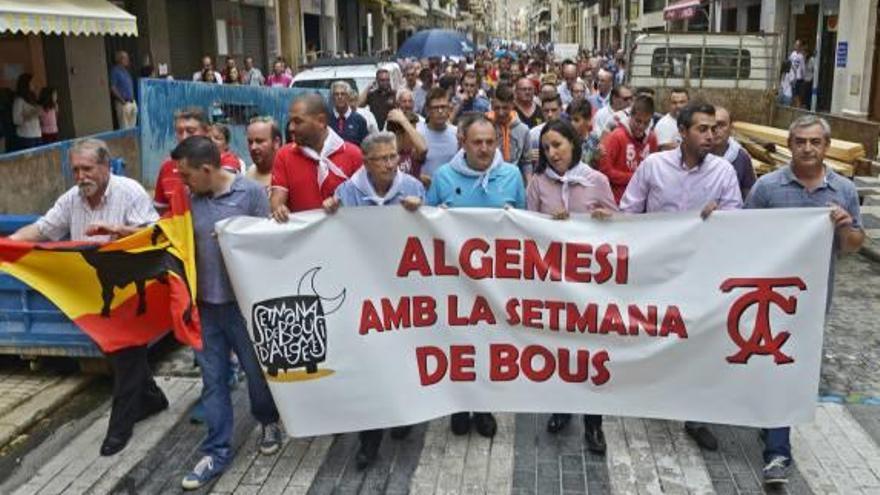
(762, 341)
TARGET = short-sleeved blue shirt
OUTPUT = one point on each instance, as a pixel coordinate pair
(781, 189)
(454, 190)
(349, 195)
(244, 197)
(122, 81)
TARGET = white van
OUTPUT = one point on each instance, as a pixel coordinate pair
(705, 60)
(358, 72)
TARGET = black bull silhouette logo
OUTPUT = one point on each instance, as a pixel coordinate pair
(118, 269)
(291, 331)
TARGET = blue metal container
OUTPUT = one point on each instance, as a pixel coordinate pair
(30, 325)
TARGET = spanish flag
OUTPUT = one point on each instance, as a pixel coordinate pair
(122, 293)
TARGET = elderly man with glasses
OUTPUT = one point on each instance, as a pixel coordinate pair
(380, 182)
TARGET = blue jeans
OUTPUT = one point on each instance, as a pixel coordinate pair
(776, 442)
(223, 329)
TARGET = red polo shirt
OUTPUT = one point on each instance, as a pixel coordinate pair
(298, 173)
(231, 162)
(168, 176)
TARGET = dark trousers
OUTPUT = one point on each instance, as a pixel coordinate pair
(22, 143)
(371, 438)
(134, 390)
(591, 420)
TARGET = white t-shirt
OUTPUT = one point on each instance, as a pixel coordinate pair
(666, 131)
(797, 64)
(601, 119)
(26, 127)
(372, 124)
(218, 78)
(810, 67)
(442, 146)
(786, 85)
(535, 136)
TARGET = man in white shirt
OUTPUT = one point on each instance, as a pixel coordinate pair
(407, 103)
(440, 135)
(100, 208)
(666, 130)
(603, 121)
(252, 75)
(208, 65)
(604, 83)
(798, 68)
(372, 124)
(807, 84)
(569, 74)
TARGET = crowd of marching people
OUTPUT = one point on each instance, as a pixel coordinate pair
(509, 131)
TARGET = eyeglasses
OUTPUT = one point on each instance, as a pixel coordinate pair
(390, 159)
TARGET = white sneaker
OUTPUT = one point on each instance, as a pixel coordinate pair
(776, 471)
(206, 470)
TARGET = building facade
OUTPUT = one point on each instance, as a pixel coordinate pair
(840, 34)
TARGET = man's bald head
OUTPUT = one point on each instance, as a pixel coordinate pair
(311, 104)
(605, 81)
(569, 73)
(308, 117)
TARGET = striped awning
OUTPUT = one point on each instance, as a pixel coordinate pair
(65, 17)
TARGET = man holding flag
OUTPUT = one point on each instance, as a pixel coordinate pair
(99, 208)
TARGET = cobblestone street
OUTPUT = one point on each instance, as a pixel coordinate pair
(837, 453)
(851, 364)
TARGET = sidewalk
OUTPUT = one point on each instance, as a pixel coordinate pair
(838, 453)
(26, 397)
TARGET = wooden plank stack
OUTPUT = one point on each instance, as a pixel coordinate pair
(768, 148)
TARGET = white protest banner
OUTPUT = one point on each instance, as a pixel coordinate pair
(376, 317)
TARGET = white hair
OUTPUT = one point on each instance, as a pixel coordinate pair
(95, 147)
(374, 140)
(403, 92)
(340, 85)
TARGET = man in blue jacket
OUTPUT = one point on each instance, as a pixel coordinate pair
(477, 176)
